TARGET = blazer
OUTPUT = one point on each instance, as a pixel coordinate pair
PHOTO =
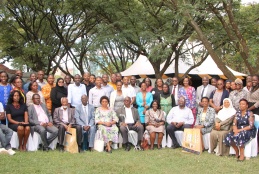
(80, 116)
(225, 94)
(113, 97)
(58, 116)
(199, 91)
(33, 117)
(209, 119)
(121, 113)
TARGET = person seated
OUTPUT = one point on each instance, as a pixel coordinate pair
(64, 118)
(41, 120)
(106, 120)
(243, 130)
(17, 115)
(5, 135)
(129, 120)
(179, 117)
(84, 115)
(155, 121)
(205, 118)
(223, 122)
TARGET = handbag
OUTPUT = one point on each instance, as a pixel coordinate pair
(145, 140)
(70, 141)
(98, 141)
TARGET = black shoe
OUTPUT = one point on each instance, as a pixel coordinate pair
(128, 147)
(176, 146)
(46, 149)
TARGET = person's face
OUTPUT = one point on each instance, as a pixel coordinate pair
(16, 97)
(92, 79)
(36, 99)
(113, 78)
(127, 102)
(205, 103)
(185, 82)
(159, 82)
(105, 79)
(165, 89)
(147, 81)
(61, 82)
(84, 99)
(118, 77)
(77, 79)
(181, 102)
(64, 102)
(238, 86)
(248, 78)
(119, 85)
(220, 84)
(254, 80)
(98, 82)
(243, 106)
(34, 86)
(214, 82)
(175, 81)
(18, 83)
(226, 104)
(154, 106)
(86, 77)
(19, 73)
(33, 77)
(68, 79)
(3, 78)
(205, 81)
(143, 87)
(104, 103)
(50, 80)
(133, 81)
(228, 84)
(125, 81)
(40, 75)
(233, 86)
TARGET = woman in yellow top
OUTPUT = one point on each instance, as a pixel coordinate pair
(46, 89)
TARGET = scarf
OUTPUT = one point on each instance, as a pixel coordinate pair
(226, 112)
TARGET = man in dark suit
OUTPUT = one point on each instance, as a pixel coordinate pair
(129, 117)
(204, 90)
(41, 121)
(174, 88)
(84, 116)
(63, 118)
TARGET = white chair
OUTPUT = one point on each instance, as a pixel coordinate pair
(206, 141)
(179, 137)
(37, 141)
(131, 134)
(15, 142)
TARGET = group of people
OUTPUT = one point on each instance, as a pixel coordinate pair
(223, 108)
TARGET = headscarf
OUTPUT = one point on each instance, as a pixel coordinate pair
(226, 113)
(61, 89)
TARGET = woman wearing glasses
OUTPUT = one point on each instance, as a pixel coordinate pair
(239, 93)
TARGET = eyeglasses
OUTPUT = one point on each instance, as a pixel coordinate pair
(238, 83)
(219, 84)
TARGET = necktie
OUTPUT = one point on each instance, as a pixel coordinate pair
(202, 92)
(86, 116)
(174, 90)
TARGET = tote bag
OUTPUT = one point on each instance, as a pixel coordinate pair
(192, 141)
(70, 141)
(98, 142)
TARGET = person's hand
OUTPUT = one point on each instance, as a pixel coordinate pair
(137, 124)
(217, 109)
(236, 131)
(123, 124)
(180, 124)
(174, 123)
(86, 128)
(50, 124)
(146, 106)
(69, 125)
(44, 124)
(108, 124)
(157, 125)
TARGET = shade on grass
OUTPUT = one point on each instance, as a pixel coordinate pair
(151, 161)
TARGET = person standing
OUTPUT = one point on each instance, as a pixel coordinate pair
(148, 84)
(249, 85)
(174, 89)
(113, 81)
(166, 100)
(57, 93)
(67, 80)
(158, 90)
(33, 89)
(105, 85)
(40, 78)
(96, 93)
(46, 89)
(239, 93)
(127, 90)
(136, 88)
(5, 88)
(87, 83)
(92, 79)
(117, 97)
(26, 85)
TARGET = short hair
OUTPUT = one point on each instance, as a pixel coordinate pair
(10, 99)
(118, 81)
(30, 85)
(62, 99)
(205, 98)
(141, 83)
(5, 74)
(244, 100)
(104, 97)
(35, 95)
(157, 102)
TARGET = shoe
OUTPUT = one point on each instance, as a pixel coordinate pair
(127, 147)
(3, 151)
(46, 149)
(61, 149)
(10, 152)
(176, 146)
(91, 149)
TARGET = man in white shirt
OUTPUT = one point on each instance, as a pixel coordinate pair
(5, 134)
(63, 118)
(129, 117)
(105, 85)
(178, 118)
(75, 91)
(40, 78)
(96, 93)
(249, 85)
(128, 90)
(174, 88)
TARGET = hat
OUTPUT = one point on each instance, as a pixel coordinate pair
(238, 81)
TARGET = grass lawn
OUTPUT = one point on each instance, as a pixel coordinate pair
(151, 161)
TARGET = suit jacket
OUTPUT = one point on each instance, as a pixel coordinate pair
(80, 116)
(199, 91)
(225, 94)
(33, 117)
(176, 93)
(209, 119)
(58, 116)
(121, 113)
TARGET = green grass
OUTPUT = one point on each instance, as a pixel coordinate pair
(151, 161)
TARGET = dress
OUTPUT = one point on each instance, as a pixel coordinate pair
(46, 89)
(244, 136)
(108, 133)
(151, 117)
(140, 101)
(56, 94)
(4, 94)
(16, 114)
(156, 93)
(119, 102)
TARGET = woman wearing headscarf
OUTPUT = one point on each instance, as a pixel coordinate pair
(222, 127)
(243, 130)
(166, 99)
(57, 93)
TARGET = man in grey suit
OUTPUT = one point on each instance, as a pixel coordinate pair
(129, 117)
(63, 118)
(41, 120)
(84, 116)
(204, 91)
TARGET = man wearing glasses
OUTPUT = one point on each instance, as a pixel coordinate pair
(174, 88)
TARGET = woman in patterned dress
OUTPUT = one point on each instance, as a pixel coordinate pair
(243, 130)
(106, 120)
